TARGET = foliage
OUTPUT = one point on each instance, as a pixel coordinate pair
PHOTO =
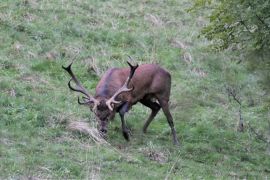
(238, 24)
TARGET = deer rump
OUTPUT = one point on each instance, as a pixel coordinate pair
(121, 88)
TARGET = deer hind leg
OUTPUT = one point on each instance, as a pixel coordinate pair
(165, 107)
(122, 112)
(155, 107)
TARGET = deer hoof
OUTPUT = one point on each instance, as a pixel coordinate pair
(144, 130)
(176, 142)
(126, 134)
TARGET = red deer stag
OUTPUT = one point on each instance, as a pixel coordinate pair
(120, 88)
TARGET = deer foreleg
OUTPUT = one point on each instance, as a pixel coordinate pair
(124, 108)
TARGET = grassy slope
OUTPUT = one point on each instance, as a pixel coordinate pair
(37, 37)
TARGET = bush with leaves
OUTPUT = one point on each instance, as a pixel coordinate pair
(242, 24)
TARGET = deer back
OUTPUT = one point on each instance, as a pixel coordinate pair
(148, 79)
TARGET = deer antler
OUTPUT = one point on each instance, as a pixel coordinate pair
(88, 99)
(124, 88)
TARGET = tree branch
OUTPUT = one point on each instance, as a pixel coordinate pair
(259, 18)
(258, 135)
(232, 92)
(262, 21)
(244, 24)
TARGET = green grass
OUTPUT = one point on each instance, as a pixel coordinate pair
(38, 37)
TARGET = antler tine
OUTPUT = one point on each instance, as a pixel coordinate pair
(124, 88)
(79, 88)
(73, 77)
(132, 71)
(84, 102)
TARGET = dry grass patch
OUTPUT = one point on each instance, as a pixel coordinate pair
(156, 155)
(154, 20)
(84, 128)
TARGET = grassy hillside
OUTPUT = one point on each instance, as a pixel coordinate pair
(36, 106)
